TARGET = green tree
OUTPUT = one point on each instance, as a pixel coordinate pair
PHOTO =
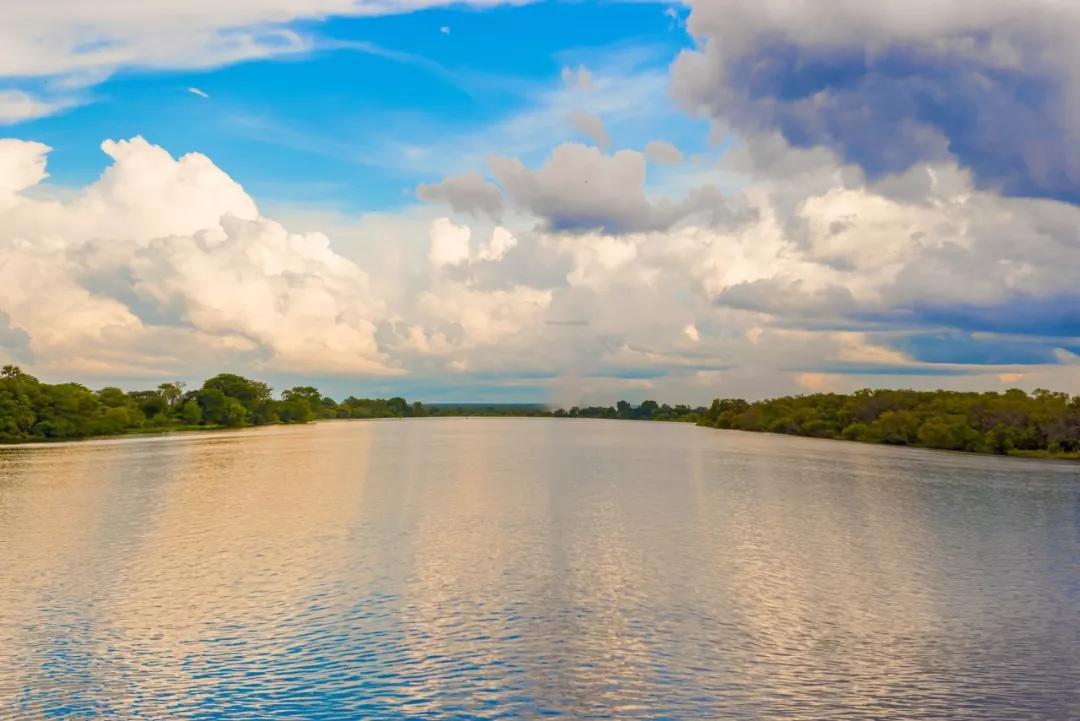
(172, 393)
(212, 403)
(190, 413)
(235, 414)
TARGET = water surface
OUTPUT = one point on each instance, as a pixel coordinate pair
(528, 568)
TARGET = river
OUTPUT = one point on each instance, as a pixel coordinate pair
(528, 568)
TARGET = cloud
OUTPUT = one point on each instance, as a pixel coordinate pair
(581, 188)
(488, 317)
(919, 274)
(890, 85)
(200, 93)
(171, 254)
(289, 294)
(449, 242)
(445, 29)
(166, 266)
(663, 153)
(22, 165)
(818, 382)
(968, 348)
(17, 106)
(14, 342)
(591, 126)
(501, 243)
(74, 44)
(622, 93)
(579, 78)
(75, 36)
(468, 193)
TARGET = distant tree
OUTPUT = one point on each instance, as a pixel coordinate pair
(398, 406)
(250, 393)
(234, 413)
(112, 397)
(212, 403)
(190, 413)
(173, 393)
(647, 410)
(151, 403)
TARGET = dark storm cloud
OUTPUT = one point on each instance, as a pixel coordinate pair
(966, 349)
(1054, 316)
(997, 90)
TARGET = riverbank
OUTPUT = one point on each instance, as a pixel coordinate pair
(34, 411)
(1042, 424)
(188, 430)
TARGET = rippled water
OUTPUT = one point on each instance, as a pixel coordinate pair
(519, 568)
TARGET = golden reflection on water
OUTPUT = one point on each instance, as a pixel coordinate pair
(487, 568)
(241, 510)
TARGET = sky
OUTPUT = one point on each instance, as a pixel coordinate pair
(559, 202)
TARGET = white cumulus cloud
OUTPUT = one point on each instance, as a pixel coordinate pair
(164, 247)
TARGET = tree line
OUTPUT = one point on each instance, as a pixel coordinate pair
(1040, 423)
(647, 411)
(1011, 422)
(31, 410)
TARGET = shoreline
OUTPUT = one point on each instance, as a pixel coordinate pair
(151, 434)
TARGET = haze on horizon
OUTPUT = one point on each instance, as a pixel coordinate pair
(565, 202)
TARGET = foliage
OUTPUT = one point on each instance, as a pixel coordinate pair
(31, 410)
(647, 411)
(1043, 422)
(487, 409)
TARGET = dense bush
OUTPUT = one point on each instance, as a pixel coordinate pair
(32, 410)
(1013, 421)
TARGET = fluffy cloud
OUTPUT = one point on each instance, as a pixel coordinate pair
(166, 264)
(828, 277)
(581, 188)
(449, 243)
(889, 85)
(925, 248)
(839, 280)
(899, 208)
(501, 243)
(163, 248)
(592, 127)
(663, 152)
(22, 165)
(468, 193)
(288, 294)
(487, 317)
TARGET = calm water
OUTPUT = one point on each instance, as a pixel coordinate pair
(520, 568)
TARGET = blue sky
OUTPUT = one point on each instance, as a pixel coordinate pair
(567, 202)
(336, 124)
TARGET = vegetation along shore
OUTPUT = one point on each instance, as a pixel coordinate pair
(1042, 423)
